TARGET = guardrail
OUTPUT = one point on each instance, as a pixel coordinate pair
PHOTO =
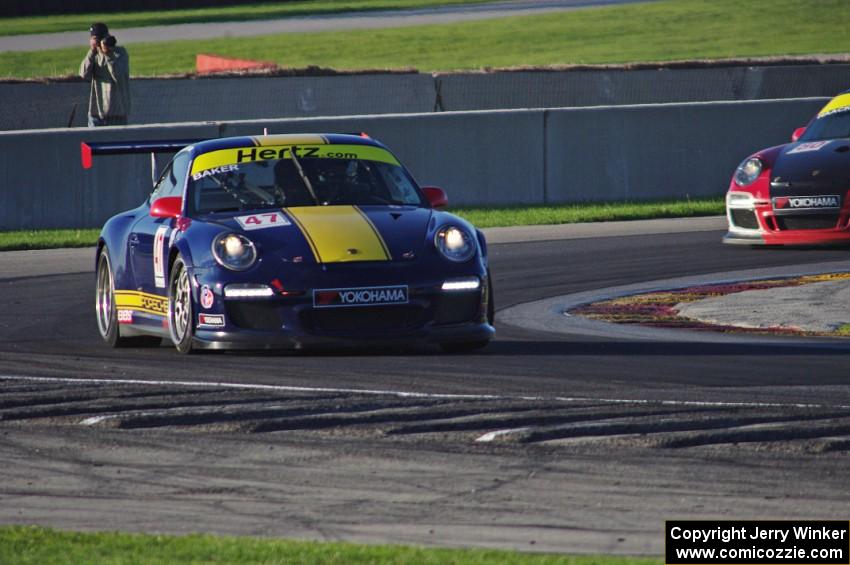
(480, 158)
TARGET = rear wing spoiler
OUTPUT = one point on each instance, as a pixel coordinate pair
(89, 149)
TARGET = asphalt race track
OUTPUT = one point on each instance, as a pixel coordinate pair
(541, 442)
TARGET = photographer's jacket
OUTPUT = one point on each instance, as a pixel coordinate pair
(110, 83)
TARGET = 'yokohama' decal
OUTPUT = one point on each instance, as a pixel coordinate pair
(366, 296)
(806, 202)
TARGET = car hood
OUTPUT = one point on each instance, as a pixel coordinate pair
(336, 234)
(810, 168)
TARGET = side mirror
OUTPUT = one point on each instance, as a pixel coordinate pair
(436, 196)
(167, 207)
(798, 133)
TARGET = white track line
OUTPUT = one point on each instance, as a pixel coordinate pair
(94, 420)
(490, 436)
(403, 394)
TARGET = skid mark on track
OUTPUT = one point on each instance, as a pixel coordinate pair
(554, 422)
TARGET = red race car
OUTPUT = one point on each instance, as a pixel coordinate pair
(796, 193)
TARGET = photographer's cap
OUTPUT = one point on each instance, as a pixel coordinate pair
(99, 30)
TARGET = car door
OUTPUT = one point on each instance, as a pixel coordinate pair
(149, 237)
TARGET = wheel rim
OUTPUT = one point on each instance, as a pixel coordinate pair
(181, 305)
(104, 297)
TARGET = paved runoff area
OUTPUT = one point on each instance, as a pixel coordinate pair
(817, 307)
(807, 308)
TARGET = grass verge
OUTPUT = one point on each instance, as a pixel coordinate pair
(47, 239)
(481, 217)
(658, 31)
(118, 20)
(24, 545)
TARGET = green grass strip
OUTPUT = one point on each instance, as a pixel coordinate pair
(481, 217)
(662, 31)
(592, 212)
(47, 239)
(118, 20)
(25, 545)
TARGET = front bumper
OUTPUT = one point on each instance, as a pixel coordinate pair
(763, 226)
(245, 339)
(293, 321)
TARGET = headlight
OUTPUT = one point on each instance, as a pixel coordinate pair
(455, 243)
(234, 251)
(748, 171)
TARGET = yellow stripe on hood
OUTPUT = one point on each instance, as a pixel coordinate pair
(339, 234)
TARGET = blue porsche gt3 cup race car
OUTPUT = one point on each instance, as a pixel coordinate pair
(285, 241)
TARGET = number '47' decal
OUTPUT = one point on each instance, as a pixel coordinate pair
(262, 221)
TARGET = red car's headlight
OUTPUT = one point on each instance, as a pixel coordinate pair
(748, 171)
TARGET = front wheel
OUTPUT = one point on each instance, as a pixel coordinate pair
(180, 312)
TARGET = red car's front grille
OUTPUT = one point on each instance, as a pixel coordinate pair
(807, 222)
(744, 218)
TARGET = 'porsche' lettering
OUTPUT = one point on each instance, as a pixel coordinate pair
(132, 300)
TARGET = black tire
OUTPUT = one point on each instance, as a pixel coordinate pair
(107, 314)
(181, 316)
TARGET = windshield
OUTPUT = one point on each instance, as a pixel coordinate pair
(329, 175)
(833, 121)
(832, 126)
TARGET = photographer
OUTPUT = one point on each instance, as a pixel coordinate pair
(107, 65)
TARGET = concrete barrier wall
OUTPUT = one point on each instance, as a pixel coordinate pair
(44, 185)
(661, 150)
(482, 91)
(36, 105)
(158, 101)
(483, 158)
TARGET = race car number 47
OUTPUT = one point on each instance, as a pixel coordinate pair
(262, 221)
